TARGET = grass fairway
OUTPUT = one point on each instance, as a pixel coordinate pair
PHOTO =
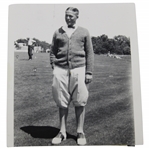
(109, 112)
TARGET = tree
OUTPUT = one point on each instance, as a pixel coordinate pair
(119, 44)
(17, 46)
(123, 44)
(126, 50)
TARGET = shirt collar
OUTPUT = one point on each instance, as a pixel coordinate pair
(65, 27)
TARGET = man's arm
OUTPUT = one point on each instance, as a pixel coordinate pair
(89, 58)
(53, 51)
(33, 41)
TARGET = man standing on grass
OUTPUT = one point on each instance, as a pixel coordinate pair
(30, 47)
(72, 61)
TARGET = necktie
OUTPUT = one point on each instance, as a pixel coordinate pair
(71, 27)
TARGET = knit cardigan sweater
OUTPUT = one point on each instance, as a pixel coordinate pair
(73, 52)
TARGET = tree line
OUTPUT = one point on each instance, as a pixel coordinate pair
(43, 44)
(119, 45)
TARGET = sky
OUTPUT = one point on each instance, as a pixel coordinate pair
(41, 20)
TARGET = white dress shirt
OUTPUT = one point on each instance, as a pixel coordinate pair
(68, 30)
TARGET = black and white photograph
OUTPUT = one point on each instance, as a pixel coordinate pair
(72, 74)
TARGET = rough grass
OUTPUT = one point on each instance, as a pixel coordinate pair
(109, 112)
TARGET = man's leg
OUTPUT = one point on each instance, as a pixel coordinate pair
(79, 97)
(29, 52)
(63, 113)
(80, 116)
(60, 81)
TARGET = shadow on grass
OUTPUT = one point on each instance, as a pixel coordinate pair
(44, 132)
(114, 122)
(109, 110)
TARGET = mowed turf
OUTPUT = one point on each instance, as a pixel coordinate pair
(109, 112)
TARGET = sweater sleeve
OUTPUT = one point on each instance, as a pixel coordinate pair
(89, 54)
(53, 49)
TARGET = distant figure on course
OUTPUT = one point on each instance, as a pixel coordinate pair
(30, 47)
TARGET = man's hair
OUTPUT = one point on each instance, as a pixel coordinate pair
(75, 10)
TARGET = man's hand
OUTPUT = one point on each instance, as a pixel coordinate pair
(88, 78)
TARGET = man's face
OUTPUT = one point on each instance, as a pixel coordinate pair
(70, 19)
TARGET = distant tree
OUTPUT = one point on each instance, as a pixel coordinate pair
(22, 41)
(111, 46)
(104, 38)
(100, 44)
(43, 44)
(126, 50)
(119, 44)
(95, 45)
(17, 46)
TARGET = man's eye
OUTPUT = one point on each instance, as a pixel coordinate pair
(69, 16)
